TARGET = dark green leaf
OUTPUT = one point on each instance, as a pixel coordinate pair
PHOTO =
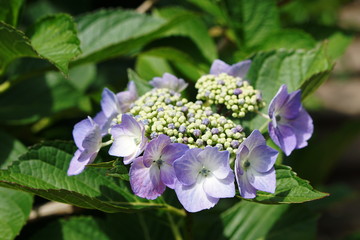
(42, 171)
(11, 149)
(149, 66)
(9, 11)
(289, 189)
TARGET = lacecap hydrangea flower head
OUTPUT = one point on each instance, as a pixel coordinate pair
(197, 148)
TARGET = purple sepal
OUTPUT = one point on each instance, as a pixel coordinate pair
(169, 81)
(254, 166)
(126, 98)
(87, 137)
(291, 126)
(239, 69)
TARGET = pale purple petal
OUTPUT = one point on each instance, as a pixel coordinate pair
(220, 188)
(278, 101)
(77, 165)
(286, 138)
(218, 67)
(123, 146)
(103, 122)
(253, 140)
(81, 130)
(188, 166)
(92, 140)
(126, 98)
(154, 149)
(292, 106)
(193, 198)
(216, 161)
(109, 103)
(303, 128)
(130, 123)
(263, 158)
(169, 81)
(173, 151)
(239, 69)
(167, 174)
(145, 182)
(245, 188)
(263, 181)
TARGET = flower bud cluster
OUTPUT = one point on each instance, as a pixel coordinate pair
(163, 111)
(236, 94)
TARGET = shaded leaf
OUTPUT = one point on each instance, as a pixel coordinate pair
(142, 86)
(9, 11)
(11, 149)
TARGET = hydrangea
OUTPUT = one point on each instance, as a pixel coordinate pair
(169, 81)
(239, 69)
(151, 173)
(129, 139)
(291, 126)
(204, 176)
(87, 137)
(254, 166)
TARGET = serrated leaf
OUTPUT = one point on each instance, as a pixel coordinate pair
(298, 69)
(15, 207)
(289, 189)
(55, 38)
(13, 44)
(9, 11)
(42, 171)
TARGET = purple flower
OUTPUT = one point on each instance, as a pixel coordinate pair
(254, 166)
(151, 173)
(204, 176)
(112, 105)
(169, 81)
(129, 139)
(87, 137)
(239, 69)
(291, 126)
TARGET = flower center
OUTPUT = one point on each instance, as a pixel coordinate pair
(278, 118)
(159, 162)
(246, 164)
(137, 141)
(204, 172)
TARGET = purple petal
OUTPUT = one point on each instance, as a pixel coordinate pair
(245, 188)
(215, 161)
(286, 138)
(167, 174)
(130, 124)
(188, 166)
(218, 67)
(169, 81)
(78, 163)
(263, 158)
(303, 128)
(278, 101)
(239, 69)
(262, 181)
(241, 156)
(126, 98)
(103, 122)
(92, 141)
(145, 182)
(154, 149)
(253, 140)
(193, 198)
(173, 151)
(81, 130)
(123, 146)
(109, 103)
(292, 106)
(220, 188)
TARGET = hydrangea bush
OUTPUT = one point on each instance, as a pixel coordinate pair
(176, 119)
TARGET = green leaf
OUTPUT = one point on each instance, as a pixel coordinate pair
(15, 207)
(192, 27)
(55, 39)
(142, 86)
(298, 69)
(149, 67)
(108, 33)
(248, 220)
(9, 11)
(42, 171)
(338, 43)
(289, 189)
(212, 8)
(13, 44)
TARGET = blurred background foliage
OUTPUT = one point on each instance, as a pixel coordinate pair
(42, 96)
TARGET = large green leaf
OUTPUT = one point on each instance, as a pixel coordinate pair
(9, 11)
(15, 207)
(42, 171)
(298, 69)
(289, 189)
(55, 38)
(11, 149)
(248, 220)
(142, 86)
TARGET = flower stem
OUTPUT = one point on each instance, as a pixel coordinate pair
(104, 144)
(263, 115)
(264, 126)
